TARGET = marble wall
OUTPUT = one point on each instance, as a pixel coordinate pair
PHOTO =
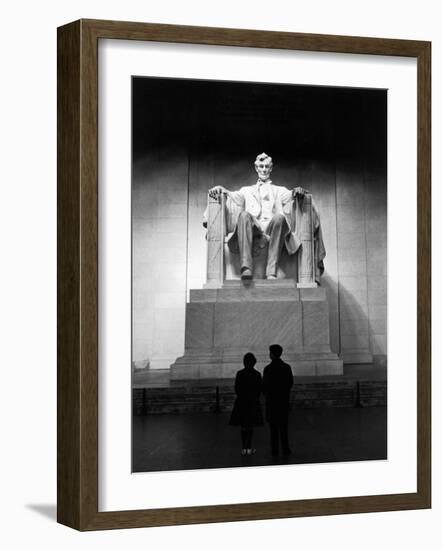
(342, 162)
(159, 255)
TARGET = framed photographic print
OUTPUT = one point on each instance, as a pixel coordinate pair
(243, 274)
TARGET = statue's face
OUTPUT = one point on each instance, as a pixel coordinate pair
(263, 168)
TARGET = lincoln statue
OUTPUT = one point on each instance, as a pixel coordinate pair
(268, 213)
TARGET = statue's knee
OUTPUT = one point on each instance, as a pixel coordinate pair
(244, 215)
(278, 219)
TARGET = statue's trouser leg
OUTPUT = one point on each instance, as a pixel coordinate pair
(245, 239)
(276, 230)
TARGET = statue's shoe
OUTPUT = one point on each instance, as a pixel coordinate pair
(246, 273)
(272, 277)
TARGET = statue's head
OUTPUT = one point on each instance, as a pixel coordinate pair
(263, 166)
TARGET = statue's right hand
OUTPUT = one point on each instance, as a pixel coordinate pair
(216, 191)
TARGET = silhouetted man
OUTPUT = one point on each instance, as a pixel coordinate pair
(277, 381)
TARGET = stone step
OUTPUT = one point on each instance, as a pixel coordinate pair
(220, 398)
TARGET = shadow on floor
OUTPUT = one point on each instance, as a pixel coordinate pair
(47, 510)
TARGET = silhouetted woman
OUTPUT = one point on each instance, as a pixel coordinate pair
(247, 408)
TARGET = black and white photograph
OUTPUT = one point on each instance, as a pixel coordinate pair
(221, 282)
(259, 274)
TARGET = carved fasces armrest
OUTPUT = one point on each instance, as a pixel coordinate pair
(216, 207)
(304, 232)
(216, 231)
(215, 215)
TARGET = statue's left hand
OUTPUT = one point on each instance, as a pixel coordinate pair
(299, 191)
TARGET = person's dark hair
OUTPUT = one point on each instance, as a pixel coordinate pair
(249, 360)
(276, 350)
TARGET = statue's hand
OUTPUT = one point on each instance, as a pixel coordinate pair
(216, 191)
(299, 191)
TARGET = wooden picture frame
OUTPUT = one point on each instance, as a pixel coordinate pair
(77, 225)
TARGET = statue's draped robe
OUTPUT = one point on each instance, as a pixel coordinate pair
(248, 198)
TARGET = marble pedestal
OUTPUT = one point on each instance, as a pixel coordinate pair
(223, 324)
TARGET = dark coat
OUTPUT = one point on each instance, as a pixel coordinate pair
(276, 384)
(247, 408)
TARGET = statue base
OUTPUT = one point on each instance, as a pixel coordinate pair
(222, 324)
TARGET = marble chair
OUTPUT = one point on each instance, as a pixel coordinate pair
(223, 265)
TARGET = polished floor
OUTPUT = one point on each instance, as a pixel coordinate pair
(205, 440)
